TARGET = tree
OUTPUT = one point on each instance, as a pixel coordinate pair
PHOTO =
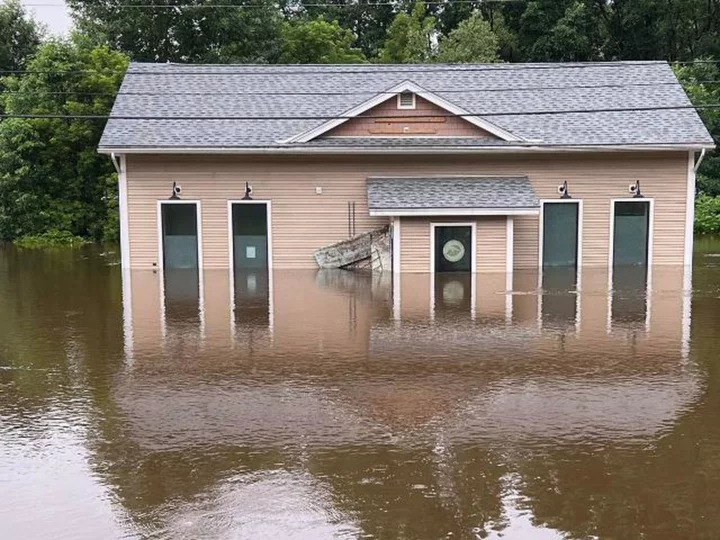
(367, 19)
(410, 38)
(697, 81)
(319, 42)
(51, 176)
(560, 30)
(20, 36)
(184, 34)
(472, 41)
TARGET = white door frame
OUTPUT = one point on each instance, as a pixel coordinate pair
(161, 262)
(268, 214)
(611, 254)
(541, 238)
(161, 247)
(231, 256)
(651, 225)
(473, 261)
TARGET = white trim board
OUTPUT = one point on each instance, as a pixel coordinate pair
(124, 216)
(689, 211)
(541, 238)
(428, 150)
(422, 212)
(403, 87)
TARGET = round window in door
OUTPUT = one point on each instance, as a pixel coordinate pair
(453, 248)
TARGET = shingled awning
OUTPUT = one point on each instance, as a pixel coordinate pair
(445, 196)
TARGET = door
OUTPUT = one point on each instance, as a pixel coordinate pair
(250, 236)
(560, 234)
(631, 233)
(179, 235)
(453, 248)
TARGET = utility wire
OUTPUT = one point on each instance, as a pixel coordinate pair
(380, 69)
(265, 6)
(360, 92)
(710, 106)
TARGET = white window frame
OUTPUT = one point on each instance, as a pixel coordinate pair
(406, 107)
(541, 238)
(231, 261)
(161, 247)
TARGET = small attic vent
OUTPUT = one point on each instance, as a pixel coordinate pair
(406, 100)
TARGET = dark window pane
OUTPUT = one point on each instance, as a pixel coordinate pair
(630, 242)
(560, 234)
(179, 222)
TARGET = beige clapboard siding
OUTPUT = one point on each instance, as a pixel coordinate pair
(490, 245)
(303, 221)
(416, 242)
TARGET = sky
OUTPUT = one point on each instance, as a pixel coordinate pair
(52, 13)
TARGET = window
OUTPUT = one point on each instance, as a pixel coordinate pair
(406, 100)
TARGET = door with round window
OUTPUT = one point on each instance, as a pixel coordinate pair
(453, 248)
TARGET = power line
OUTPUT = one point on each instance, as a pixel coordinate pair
(360, 92)
(320, 69)
(265, 6)
(710, 106)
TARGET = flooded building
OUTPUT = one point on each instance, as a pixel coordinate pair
(477, 168)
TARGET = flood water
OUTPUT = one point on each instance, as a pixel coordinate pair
(317, 405)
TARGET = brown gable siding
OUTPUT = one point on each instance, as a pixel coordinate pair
(407, 122)
(303, 221)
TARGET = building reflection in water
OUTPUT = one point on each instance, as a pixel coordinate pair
(334, 375)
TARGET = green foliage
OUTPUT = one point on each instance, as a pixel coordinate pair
(51, 176)
(409, 38)
(707, 215)
(19, 36)
(319, 42)
(472, 41)
(51, 238)
(245, 34)
(694, 79)
(365, 18)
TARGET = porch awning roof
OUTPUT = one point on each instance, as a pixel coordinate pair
(451, 196)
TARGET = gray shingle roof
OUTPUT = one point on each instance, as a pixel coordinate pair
(450, 192)
(188, 105)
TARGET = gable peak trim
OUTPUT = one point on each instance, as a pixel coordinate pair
(403, 88)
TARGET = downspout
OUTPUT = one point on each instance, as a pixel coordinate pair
(116, 163)
(699, 160)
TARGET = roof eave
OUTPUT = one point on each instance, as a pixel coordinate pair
(295, 150)
(406, 212)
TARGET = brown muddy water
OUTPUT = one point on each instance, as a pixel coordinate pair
(319, 405)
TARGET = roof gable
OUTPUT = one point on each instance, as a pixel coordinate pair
(484, 126)
(425, 119)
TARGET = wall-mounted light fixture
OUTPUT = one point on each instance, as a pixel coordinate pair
(634, 189)
(563, 190)
(248, 191)
(176, 191)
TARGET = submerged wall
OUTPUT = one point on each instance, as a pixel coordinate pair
(305, 218)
